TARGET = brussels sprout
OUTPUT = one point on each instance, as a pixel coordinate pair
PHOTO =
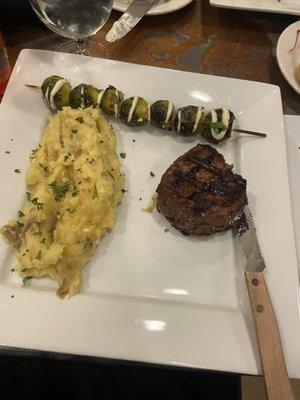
(218, 125)
(56, 91)
(83, 96)
(162, 114)
(111, 100)
(189, 121)
(134, 111)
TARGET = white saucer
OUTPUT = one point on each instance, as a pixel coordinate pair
(286, 59)
(161, 6)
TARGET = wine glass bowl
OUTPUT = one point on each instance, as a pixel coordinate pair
(74, 19)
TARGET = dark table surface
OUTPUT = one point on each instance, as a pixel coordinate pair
(198, 38)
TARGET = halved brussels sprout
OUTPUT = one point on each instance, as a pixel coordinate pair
(56, 91)
(218, 125)
(111, 100)
(189, 121)
(134, 111)
(84, 96)
(162, 114)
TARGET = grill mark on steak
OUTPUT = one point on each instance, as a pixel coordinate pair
(200, 195)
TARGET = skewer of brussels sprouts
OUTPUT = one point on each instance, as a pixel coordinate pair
(215, 127)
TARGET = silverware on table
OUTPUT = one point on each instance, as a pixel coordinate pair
(277, 383)
(133, 14)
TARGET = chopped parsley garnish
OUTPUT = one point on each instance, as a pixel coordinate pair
(122, 155)
(71, 210)
(66, 157)
(13, 269)
(28, 195)
(218, 125)
(19, 225)
(33, 154)
(166, 230)
(44, 167)
(21, 214)
(17, 170)
(37, 233)
(52, 229)
(79, 119)
(36, 203)
(59, 190)
(111, 175)
(39, 255)
(43, 240)
(152, 174)
(74, 131)
(7, 152)
(124, 191)
(23, 270)
(74, 191)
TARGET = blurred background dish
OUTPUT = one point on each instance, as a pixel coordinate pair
(288, 60)
(282, 7)
(160, 7)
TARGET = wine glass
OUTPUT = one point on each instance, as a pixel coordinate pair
(77, 20)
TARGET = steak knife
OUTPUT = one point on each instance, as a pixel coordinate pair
(277, 383)
(133, 14)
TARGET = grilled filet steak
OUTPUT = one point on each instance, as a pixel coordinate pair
(200, 195)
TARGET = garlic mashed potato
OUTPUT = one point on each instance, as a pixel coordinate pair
(74, 184)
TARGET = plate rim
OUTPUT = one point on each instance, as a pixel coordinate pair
(280, 61)
(282, 9)
(156, 10)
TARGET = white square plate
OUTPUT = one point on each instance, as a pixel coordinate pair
(149, 295)
(275, 6)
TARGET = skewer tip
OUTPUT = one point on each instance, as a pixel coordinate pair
(260, 134)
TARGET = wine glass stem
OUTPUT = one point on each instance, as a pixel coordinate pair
(81, 47)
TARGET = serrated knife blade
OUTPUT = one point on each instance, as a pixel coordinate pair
(133, 14)
(250, 246)
(277, 383)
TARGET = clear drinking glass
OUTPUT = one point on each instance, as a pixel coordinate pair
(76, 20)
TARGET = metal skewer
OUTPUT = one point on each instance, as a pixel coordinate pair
(249, 132)
(253, 133)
